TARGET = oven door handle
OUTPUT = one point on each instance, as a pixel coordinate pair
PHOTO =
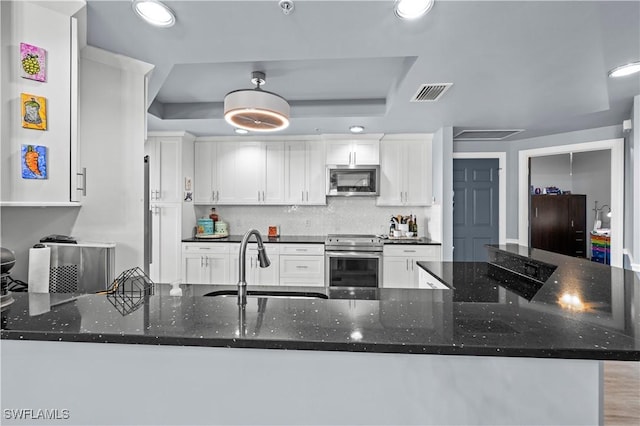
(367, 254)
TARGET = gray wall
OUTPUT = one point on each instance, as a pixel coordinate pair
(269, 386)
(552, 170)
(592, 176)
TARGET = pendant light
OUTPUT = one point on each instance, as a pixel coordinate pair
(256, 110)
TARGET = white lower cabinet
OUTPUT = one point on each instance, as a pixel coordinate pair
(263, 276)
(399, 264)
(205, 263)
(302, 265)
(218, 263)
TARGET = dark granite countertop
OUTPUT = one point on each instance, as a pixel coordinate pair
(411, 241)
(479, 316)
(304, 239)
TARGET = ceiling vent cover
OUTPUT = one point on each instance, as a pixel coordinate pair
(485, 135)
(430, 92)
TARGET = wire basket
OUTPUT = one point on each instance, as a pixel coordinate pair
(129, 289)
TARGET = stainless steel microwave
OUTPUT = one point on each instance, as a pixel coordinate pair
(350, 181)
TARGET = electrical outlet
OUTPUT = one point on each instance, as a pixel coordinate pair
(187, 184)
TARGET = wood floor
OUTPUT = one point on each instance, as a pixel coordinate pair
(621, 393)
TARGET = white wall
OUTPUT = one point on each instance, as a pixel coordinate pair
(112, 135)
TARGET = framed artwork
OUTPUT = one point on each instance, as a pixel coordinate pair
(33, 62)
(34, 161)
(34, 111)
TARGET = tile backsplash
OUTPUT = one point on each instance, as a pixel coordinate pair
(341, 215)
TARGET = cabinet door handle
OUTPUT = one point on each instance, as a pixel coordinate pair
(400, 196)
(84, 181)
(406, 264)
(301, 267)
(408, 251)
(217, 196)
(536, 212)
(354, 158)
(213, 195)
(301, 249)
(307, 195)
(302, 195)
(263, 196)
(405, 197)
(572, 223)
(201, 262)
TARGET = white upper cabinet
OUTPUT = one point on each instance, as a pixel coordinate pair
(273, 191)
(405, 172)
(165, 168)
(246, 172)
(204, 183)
(365, 151)
(52, 176)
(304, 172)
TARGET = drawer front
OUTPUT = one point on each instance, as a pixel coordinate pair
(302, 249)
(252, 248)
(430, 252)
(301, 266)
(206, 248)
(302, 281)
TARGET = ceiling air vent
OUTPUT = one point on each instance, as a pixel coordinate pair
(485, 135)
(430, 92)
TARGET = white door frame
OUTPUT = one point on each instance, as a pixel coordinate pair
(502, 186)
(617, 188)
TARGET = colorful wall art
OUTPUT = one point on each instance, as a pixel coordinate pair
(34, 111)
(33, 62)
(34, 161)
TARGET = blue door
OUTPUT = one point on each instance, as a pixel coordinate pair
(475, 207)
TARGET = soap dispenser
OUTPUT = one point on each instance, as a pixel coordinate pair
(175, 289)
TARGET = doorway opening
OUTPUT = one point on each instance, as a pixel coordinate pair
(615, 148)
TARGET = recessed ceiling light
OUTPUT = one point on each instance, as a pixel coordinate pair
(412, 9)
(625, 70)
(356, 129)
(241, 131)
(154, 12)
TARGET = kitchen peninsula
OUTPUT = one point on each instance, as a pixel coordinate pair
(480, 351)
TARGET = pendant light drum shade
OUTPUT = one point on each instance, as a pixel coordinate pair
(256, 110)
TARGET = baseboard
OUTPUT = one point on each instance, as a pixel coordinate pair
(513, 241)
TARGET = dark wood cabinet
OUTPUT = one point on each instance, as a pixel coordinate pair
(559, 224)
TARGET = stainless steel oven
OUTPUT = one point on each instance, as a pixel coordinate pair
(353, 261)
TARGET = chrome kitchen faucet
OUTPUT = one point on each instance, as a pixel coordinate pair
(262, 258)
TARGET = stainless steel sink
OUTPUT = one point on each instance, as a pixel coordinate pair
(272, 294)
